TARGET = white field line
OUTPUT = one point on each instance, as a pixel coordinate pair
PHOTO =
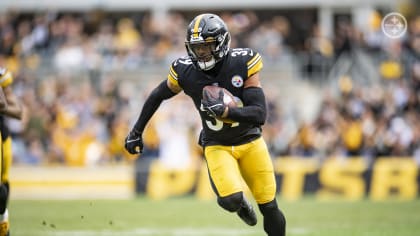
(161, 232)
(175, 232)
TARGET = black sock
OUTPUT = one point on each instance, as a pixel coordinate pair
(3, 199)
(274, 221)
(7, 186)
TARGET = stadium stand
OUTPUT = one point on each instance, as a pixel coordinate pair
(345, 90)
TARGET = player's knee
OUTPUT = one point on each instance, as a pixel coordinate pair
(268, 207)
(232, 202)
(271, 208)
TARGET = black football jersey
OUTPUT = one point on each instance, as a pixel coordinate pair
(6, 79)
(236, 68)
(4, 130)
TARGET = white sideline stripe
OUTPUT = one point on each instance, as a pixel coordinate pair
(175, 232)
(160, 232)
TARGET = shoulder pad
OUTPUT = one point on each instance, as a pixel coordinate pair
(177, 67)
(182, 62)
(241, 52)
(252, 59)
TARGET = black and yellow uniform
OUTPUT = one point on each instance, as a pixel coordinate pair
(14, 110)
(238, 65)
(6, 152)
(233, 151)
(229, 145)
(6, 79)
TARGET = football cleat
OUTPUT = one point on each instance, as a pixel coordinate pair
(247, 213)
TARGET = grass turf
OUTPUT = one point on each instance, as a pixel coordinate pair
(190, 217)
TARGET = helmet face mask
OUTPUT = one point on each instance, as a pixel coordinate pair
(203, 54)
(207, 41)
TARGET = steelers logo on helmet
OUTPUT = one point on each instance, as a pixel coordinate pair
(237, 81)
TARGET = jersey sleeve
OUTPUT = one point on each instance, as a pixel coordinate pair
(6, 77)
(254, 62)
(173, 75)
(177, 71)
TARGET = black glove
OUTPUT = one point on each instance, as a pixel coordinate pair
(134, 142)
(215, 107)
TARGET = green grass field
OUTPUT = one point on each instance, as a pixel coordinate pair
(190, 217)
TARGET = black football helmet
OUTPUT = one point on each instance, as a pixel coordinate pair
(207, 40)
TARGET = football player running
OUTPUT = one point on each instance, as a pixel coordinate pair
(233, 151)
(13, 110)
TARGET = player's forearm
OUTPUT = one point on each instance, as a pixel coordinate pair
(151, 104)
(12, 111)
(254, 110)
(14, 108)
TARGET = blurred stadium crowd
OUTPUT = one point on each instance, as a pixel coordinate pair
(81, 77)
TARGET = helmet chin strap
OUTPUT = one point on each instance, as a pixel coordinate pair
(207, 65)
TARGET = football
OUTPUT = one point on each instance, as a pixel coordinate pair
(229, 100)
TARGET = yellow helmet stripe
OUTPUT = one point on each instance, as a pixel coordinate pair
(196, 24)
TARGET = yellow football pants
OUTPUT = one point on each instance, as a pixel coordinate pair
(227, 166)
(6, 159)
